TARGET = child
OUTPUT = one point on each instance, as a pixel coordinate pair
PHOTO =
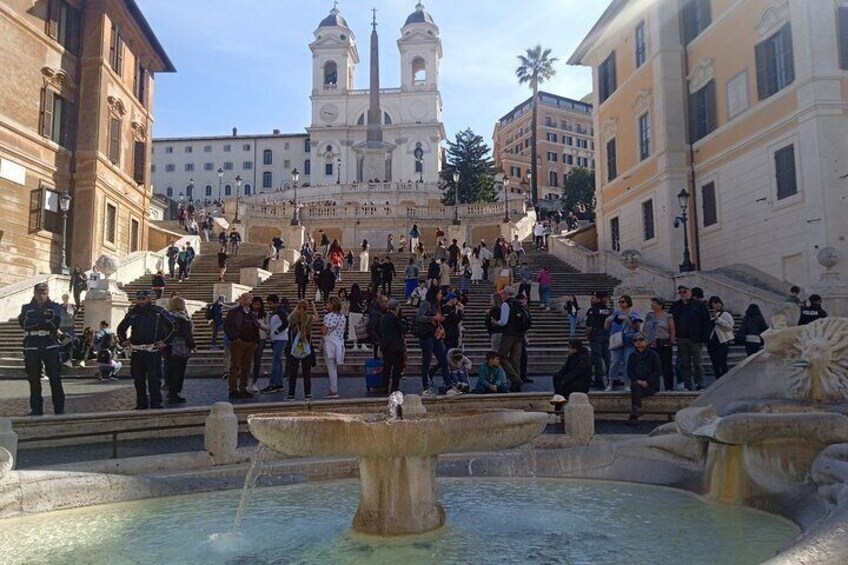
(108, 367)
(491, 377)
(459, 366)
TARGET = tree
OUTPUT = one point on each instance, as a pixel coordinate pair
(535, 67)
(578, 191)
(469, 155)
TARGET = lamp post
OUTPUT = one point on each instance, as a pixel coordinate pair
(220, 180)
(339, 170)
(683, 199)
(238, 189)
(295, 176)
(64, 206)
(455, 175)
(507, 219)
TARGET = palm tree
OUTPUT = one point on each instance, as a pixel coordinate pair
(535, 67)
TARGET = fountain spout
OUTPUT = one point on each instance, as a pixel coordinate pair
(396, 405)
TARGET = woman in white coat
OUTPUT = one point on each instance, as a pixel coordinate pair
(364, 257)
(476, 266)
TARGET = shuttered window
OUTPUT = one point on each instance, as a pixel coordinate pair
(612, 165)
(702, 112)
(615, 235)
(134, 233)
(115, 141)
(140, 84)
(775, 63)
(696, 17)
(784, 166)
(111, 226)
(648, 220)
(842, 31)
(139, 161)
(116, 50)
(709, 204)
(606, 78)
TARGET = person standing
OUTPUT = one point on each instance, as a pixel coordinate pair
(414, 234)
(453, 256)
(752, 326)
(721, 334)
(660, 332)
(812, 312)
(301, 276)
(242, 329)
(258, 307)
(356, 302)
(692, 324)
(388, 274)
(364, 256)
(333, 330)
(182, 258)
(390, 244)
(177, 353)
(222, 262)
(324, 243)
(486, 260)
(576, 374)
(157, 284)
(571, 308)
(492, 315)
(410, 278)
(40, 320)
(431, 337)
(171, 253)
(402, 243)
(299, 352)
(454, 313)
(77, 284)
(444, 275)
(515, 320)
(326, 282)
(621, 324)
(67, 331)
(644, 369)
(393, 346)
(349, 260)
(190, 255)
(596, 315)
(335, 258)
(545, 279)
(216, 316)
(235, 242)
(476, 266)
(151, 330)
(279, 336)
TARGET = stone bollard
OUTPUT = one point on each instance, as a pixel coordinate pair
(221, 434)
(579, 418)
(9, 439)
(412, 406)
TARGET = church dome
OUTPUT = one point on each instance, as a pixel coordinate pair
(333, 20)
(419, 16)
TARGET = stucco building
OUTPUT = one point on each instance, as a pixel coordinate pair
(743, 104)
(75, 116)
(564, 141)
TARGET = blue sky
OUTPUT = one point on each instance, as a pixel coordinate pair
(247, 63)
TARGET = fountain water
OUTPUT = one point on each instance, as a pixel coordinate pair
(257, 462)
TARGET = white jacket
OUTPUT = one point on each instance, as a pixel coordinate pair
(723, 329)
(273, 326)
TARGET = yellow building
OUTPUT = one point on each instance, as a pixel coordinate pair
(75, 116)
(564, 141)
(743, 104)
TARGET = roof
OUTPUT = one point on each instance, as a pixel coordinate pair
(419, 16)
(135, 11)
(228, 137)
(615, 7)
(548, 99)
(333, 20)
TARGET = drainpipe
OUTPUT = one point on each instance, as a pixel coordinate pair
(691, 181)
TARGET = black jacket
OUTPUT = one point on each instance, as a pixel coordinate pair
(375, 316)
(149, 325)
(393, 328)
(645, 366)
(691, 320)
(595, 318)
(811, 314)
(44, 318)
(326, 281)
(301, 272)
(575, 375)
(453, 317)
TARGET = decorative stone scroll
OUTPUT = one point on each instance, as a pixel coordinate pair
(116, 105)
(774, 16)
(57, 79)
(701, 75)
(642, 102)
(609, 129)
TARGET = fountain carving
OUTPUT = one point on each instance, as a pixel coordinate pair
(397, 457)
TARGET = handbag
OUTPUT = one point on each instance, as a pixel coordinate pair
(616, 341)
(361, 328)
(179, 348)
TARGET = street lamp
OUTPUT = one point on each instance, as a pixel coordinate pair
(295, 176)
(506, 219)
(64, 206)
(238, 188)
(456, 198)
(683, 199)
(339, 170)
(220, 180)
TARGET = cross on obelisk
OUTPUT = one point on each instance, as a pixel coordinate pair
(374, 17)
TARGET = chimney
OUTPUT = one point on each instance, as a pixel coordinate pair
(276, 132)
(235, 132)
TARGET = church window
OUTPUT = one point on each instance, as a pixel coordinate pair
(228, 190)
(247, 190)
(307, 167)
(328, 169)
(361, 120)
(267, 179)
(387, 120)
(267, 157)
(419, 71)
(331, 75)
(306, 144)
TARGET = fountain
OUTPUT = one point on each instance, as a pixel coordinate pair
(398, 456)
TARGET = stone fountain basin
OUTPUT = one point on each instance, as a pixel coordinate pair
(308, 434)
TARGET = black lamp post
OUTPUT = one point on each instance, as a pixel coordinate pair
(64, 206)
(339, 170)
(683, 199)
(507, 218)
(456, 220)
(295, 176)
(220, 180)
(238, 189)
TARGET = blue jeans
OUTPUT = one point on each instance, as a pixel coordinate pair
(429, 346)
(257, 359)
(481, 388)
(545, 296)
(600, 356)
(278, 365)
(572, 325)
(146, 370)
(618, 363)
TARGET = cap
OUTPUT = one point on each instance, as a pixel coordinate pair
(142, 294)
(639, 335)
(41, 286)
(451, 295)
(509, 291)
(682, 287)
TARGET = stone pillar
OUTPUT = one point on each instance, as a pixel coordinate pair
(294, 236)
(230, 291)
(633, 284)
(254, 276)
(278, 266)
(220, 437)
(106, 302)
(833, 290)
(459, 233)
(8, 441)
(579, 418)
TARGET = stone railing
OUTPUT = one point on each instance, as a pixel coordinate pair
(351, 211)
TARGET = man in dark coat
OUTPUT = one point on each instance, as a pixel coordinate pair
(645, 370)
(40, 320)
(576, 374)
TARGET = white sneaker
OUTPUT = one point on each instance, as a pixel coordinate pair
(453, 392)
(68, 363)
(43, 378)
(428, 392)
(252, 388)
(81, 364)
(608, 389)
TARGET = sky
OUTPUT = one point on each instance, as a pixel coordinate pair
(247, 64)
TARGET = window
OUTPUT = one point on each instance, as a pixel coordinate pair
(775, 65)
(110, 227)
(606, 78)
(328, 169)
(842, 30)
(552, 156)
(207, 149)
(169, 150)
(208, 190)
(553, 178)
(306, 145)
(267, 157)
(189, 167)
(419, 166)
(552, 137)
(170, 168)
(44, 211)
(228, 190)
(169, 192)
(134, 233)
(648, 220)
(583, 143)
(612, 167)
(208, 167)
(140, 83)
(139, 161)
(57, 118)
(644, 136)
(116, 50)
(696, 17)
(584, 162)
(549, 121)
(639, 45)
(515, 172)
(702, 112)
(307, 167)
(267, 179)
(246, 165)
(708, 204)
(247, 190)
(567, 159)
(63, 25)
(784, 168)
(568, 140)
(615, 235)
(246, 147)
(152, 168)
(228, 165)
(188, 149)
(227, 148)
(115, 141)
(286, 145)
(287, 164)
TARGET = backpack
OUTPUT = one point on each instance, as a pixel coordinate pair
(210, 313)
(519, 318)
(107, 341)
(300, 349)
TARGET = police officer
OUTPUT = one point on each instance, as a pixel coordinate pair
(151, 330)
(812, 312)
(599, 337)
(40, 320)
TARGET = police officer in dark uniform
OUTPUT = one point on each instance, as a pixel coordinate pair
(813, 311)
(599, 337)
(40, 320)
(151, 330)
